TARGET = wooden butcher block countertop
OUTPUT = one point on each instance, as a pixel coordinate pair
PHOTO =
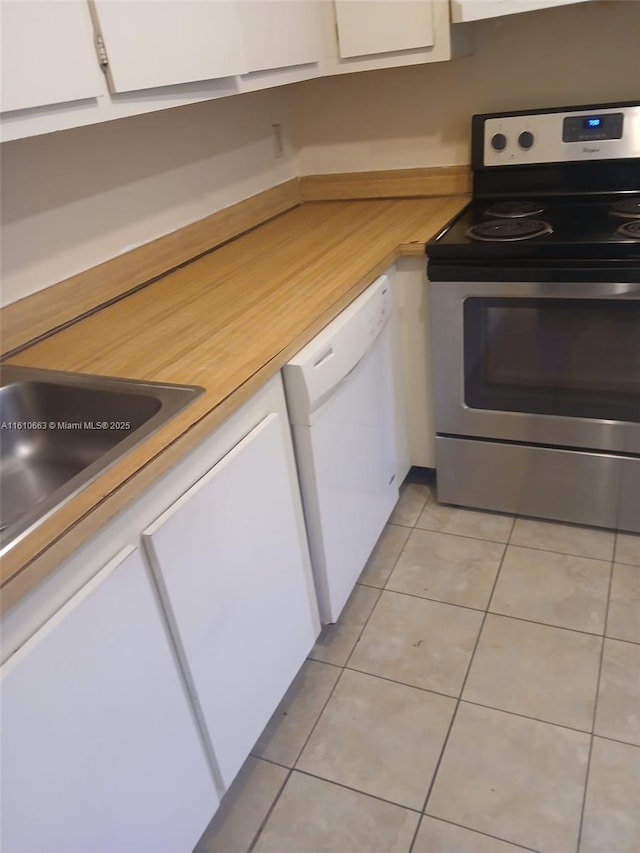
(228, 322)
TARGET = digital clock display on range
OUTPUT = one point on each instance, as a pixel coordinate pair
(592, 128)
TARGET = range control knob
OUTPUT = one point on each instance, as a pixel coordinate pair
(498, 141)
(525, 140)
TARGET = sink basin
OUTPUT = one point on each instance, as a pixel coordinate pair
(58, 431)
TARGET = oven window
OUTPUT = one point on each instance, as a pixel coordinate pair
(573, 357)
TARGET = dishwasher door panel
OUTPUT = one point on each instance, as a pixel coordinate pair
(347, 462)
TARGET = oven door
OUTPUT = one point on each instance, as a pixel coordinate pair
(538, 363)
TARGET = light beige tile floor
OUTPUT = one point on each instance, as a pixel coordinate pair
(542, 672)
(452, 569)
(624, 604)
(336, 642)
(418, 642)
(314, 816)
(618, 714)
(413, 497)
(294, 719)
(515, 778)
(612, 808)
(556, 589)
(628, 548)
(354, 744)
(467, 701)
(385, 555)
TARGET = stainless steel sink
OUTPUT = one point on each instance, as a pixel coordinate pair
(58, 431)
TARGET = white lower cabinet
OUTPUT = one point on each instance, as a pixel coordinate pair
(231, 562)
(130, 695)
(100, 748)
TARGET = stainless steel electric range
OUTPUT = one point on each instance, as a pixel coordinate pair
(535, 310)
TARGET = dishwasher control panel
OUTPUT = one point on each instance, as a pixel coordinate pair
(337, 350)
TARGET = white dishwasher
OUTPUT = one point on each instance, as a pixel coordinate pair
(340, 397)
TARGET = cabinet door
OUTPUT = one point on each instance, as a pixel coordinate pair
(380, 26)
(281, 33)
(100, 751)
(230, 563)
(152, 43)
(48, 55)
(476, 10)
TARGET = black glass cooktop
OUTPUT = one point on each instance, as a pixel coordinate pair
(579, 229)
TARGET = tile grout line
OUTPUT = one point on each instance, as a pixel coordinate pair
(498, 613)
(343, 665)
(455, 710)
(458, 699)
(302, 748)
(595, 704)
(400, 683)
(270, 761)
(508, 541)
(480, 832)
(362, 630)
(527, 717)
(504, 542)
(293, 767)
(412, 526)
(611, 559)
(621, 640)
(617, 740)
(547, 624)
(395, 563)
(400, 553)
(357, 791)
(382, 589)
(304, 745)
(562, 553)
(290, 770)
(308, 738)
(321, 712)
(472, 702)
(263, 822)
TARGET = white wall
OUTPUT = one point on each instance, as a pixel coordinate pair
(420, 115)
(73, 199)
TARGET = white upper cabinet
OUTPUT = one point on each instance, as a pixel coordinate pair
(381, 26)
(281, 33)
(476, 10)
(152, 43)
(48, 55)
(115, 58)
(364, 35)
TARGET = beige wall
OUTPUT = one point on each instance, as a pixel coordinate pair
(73, 199)
(420, 115)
